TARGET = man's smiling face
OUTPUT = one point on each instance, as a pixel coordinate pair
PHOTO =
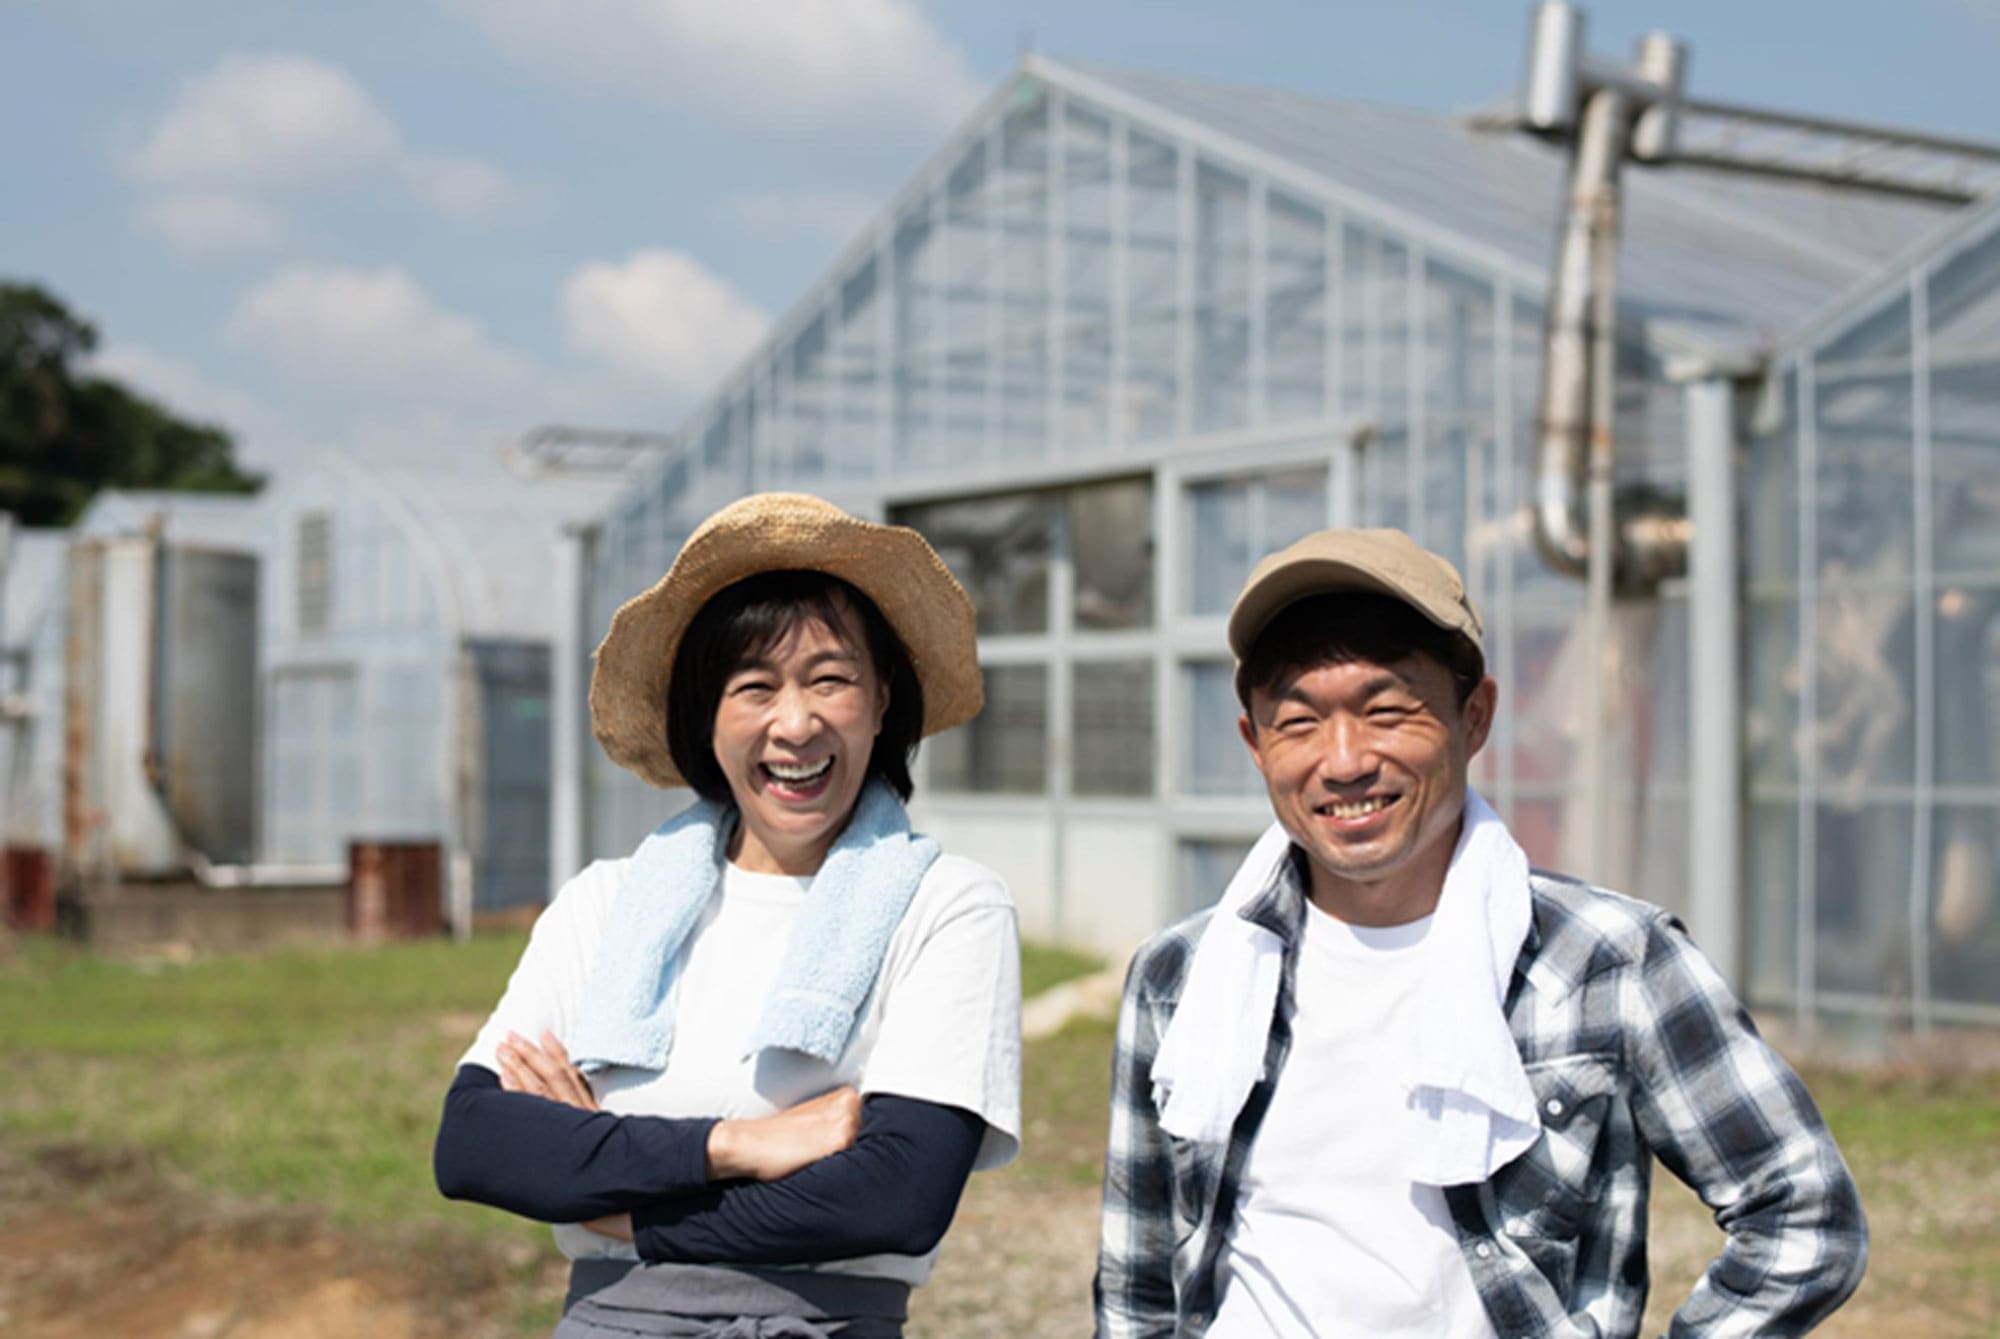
(1366, 763)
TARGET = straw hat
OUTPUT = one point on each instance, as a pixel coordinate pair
(772, 532)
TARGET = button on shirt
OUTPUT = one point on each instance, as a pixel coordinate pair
(1331, 1236)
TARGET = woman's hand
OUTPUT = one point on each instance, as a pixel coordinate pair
(544, 1071)
(772, 1147)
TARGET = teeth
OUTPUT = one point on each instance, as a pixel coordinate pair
(798, 771)
(1358, 809)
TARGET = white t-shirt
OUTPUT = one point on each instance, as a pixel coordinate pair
(943, 1024)
(1329, 1237)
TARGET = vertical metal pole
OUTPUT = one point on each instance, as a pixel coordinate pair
(1806, 921)
(937, 450)
(1332, 297)
(1924, 621)
(1118, 418)
(1170, 589)
(1413, 395)
(1507, 503)
(1604, 119)
(996, 288)
(1343, 480)
(1258, 362)
(1055, 202)
(1184, 297)
(1062, 714)
(887, 293)
(832, 388)
(1715, 780)
(569, 769)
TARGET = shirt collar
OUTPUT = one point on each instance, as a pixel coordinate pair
(1280, 905)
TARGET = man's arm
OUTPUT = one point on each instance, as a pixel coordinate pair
(1727, 1115)
(1134, 1289)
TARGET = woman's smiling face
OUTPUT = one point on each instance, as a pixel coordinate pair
(793, 733)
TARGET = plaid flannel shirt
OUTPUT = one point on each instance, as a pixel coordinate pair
(1635, 1047)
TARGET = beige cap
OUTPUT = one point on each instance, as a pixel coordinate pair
(769, 532)
(1383, 562)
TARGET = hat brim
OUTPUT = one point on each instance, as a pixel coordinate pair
(892, 565)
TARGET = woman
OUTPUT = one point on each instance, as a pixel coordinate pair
(748, 1070)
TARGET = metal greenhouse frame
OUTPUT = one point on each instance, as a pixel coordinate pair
(1124, 333)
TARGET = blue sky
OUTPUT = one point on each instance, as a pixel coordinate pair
(431, 224)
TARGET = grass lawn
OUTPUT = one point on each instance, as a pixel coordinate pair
(302, 1077)
(311, 1079)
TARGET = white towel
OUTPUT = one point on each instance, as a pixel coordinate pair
(836, 949)
(1468, 1099)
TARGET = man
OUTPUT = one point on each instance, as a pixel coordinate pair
(1397, 1083)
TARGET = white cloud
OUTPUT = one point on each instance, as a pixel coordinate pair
(373, 332)
(839, 215)
(824, 63)
(660, 315)
(267, 119)
(211, 222)
(463, 186)
(277, 123)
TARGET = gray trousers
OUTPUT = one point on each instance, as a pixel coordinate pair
(610, 1298)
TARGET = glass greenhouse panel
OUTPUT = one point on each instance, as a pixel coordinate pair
(1085, 240)
(1234, 522)
(1205, 870)
(1963, 300)
(1023, 391)
(1864, 686)
(1222, 300)
(1003, 750)
(1217, 761)
(1152, 316)
(1111, 735)
(999, 548)
(971, 268)
(1771, 904)
(1863, 494)
(1962, 918)
(859, 358)
(1111, 553)
(1860, 902)
(1295, 326)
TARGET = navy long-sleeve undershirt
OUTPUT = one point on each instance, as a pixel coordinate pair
(894, 1191)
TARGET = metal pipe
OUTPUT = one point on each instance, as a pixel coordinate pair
(1715, 747)
(1564, 434)
(1555, 53)
(1605, 121)
(1574, 448)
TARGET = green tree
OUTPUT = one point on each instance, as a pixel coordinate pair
(65, 434)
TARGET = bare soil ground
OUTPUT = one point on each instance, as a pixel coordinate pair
(94, 1245)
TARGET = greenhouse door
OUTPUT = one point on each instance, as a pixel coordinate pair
(313, 786)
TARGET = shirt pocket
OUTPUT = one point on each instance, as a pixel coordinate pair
(1550, 1190)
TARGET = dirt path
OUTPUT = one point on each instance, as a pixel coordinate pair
(92, 1245)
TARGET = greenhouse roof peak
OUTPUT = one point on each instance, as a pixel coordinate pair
(1714, 262)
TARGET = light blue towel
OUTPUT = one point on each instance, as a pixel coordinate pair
(842, 934)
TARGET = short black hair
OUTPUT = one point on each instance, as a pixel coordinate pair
(1344, 626)
(747, 619)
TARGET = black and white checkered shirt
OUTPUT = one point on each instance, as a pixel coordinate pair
(1635, 1047)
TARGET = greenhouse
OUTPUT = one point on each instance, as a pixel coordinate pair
(1125, 333)
(358, 653)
